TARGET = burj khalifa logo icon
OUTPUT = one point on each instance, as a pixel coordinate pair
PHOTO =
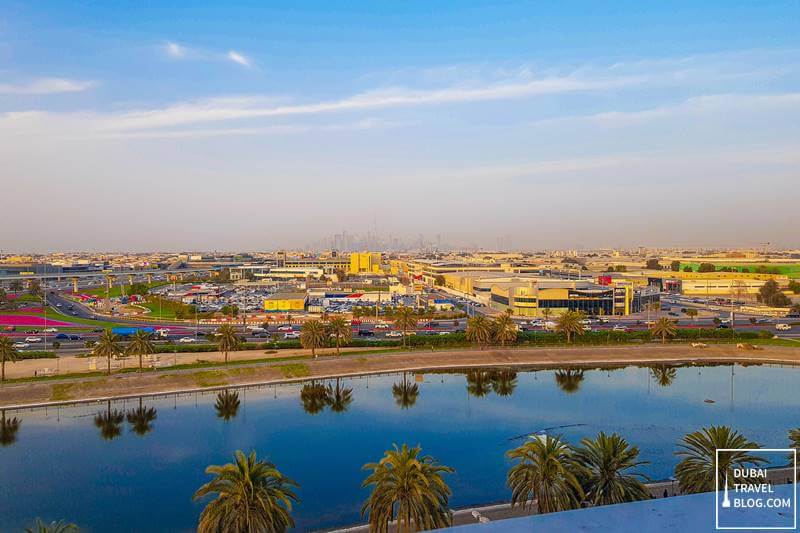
(726, 502)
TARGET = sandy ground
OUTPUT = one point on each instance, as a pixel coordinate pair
(166, 381)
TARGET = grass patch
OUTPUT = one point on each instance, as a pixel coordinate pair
(62, 392)
(210, 378)
(296, 370)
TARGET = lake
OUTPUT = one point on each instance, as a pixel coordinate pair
(60, 463)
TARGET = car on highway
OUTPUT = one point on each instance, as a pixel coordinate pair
(381, 325)
(263, 334)
(186, 340)
(21, 345)
(410, 333)
(366, 333)
(620, 327)
(33, 339)
(723, 325)
(285, 327)
(783, 327)
(291, 335)
(394, 334)
(62, 337)
(50, 330)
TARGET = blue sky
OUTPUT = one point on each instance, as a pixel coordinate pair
(255, 125)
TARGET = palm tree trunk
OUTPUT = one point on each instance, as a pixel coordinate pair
(109, 364)
(337, 345)
(226, 357)
(3, 375)
(140, 362)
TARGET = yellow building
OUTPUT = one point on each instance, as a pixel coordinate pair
(285, 301)
(365, 263)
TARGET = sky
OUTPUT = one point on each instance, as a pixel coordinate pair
(246, 126)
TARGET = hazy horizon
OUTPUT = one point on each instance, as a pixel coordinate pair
(551, 126)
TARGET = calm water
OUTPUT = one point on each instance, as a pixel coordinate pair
(60, 466)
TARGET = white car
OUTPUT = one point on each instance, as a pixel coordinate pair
(619, 327)
(381, 326)
(783, 327)
(50, 330)
(285, 327)
(394, 334)
(21, 345)
(186, 340)
(291, 335)
(33, 339)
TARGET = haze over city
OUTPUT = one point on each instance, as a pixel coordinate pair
(550, 124)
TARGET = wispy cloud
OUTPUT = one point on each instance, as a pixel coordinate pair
(238, 58)
(178, 51)
(46, 86)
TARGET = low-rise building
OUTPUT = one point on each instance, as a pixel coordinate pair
(286, 301)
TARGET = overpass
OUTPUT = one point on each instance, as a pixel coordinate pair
(58, 276)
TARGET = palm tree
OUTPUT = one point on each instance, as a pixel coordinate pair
(141, 419)
(405, 393)
(340, 330)
(227, 340)
(569, 380)
(546, 313)
(664, 327)
(569, 323)
(404, 320)
(15, 286)
(314, 397)
(503, 382)
(606, 476)
(313, 336)
(252, 496)
(141, 344)
(504, 329)
(478, 383)
(698, 469)
(53, 527)
(479, 330)
(107, 346)
(664, 375)
(227, 404)
(545, 471)
(109, 422)
(7, 353)
(8, 429)
(339, 398)
(408, 487)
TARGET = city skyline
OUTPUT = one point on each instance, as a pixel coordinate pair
(546, 126)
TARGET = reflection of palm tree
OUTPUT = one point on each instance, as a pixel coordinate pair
(664, 375)
(503, 382)
(227, 404)
(339, 398)
(405, 393)
(569, 380)
(109, 422)
(478, 383)
(8, 429)
(314, 397)
(141, 419)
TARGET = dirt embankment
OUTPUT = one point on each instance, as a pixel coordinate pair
(170, 381)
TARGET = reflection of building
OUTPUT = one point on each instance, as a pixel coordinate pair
(285, 301)
(365, 262)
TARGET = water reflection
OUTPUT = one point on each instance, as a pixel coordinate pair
(314, 397)
(141, 419)
(664, 375)
(8, 429)
(569, 380)
(503, 382)
(478, 383)
(227, 404)
(405, 393)
(109, 422)
(339, 398)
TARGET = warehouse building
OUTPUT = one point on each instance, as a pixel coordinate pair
(285, 301)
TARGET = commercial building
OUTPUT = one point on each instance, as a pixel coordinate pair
(286, 301)
(365, 263)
